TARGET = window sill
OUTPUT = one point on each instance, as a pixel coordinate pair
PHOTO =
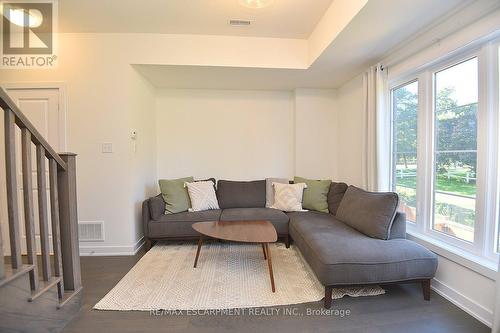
(485, 267)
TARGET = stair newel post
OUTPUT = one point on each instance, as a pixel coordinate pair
(68, 219)
(2, 258)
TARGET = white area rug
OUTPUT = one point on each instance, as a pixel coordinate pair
(229, 275)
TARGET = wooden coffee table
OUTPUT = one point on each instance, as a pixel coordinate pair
(262, 232)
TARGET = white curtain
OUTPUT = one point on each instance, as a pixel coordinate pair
(377, 130)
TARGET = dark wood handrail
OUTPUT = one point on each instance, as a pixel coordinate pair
(7, 103)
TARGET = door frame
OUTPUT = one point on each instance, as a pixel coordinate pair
(62, 116)
(62, 88)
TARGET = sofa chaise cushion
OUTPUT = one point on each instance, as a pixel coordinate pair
(276, 217)
(335, 195)
(236, 194)
(179, 224)
(341, 255)
(371, 213)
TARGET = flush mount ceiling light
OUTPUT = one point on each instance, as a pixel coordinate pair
(256, 3)
(32, 18)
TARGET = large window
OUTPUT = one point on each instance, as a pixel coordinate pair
(404, 153)
(455, 149)
(445, 158)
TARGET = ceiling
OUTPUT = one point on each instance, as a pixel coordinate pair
(360, 44)
(283, 18)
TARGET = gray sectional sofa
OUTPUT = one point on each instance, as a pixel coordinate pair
(337, 252)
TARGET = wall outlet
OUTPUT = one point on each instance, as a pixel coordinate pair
(107, 147)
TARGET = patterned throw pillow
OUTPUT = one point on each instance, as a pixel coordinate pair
(288, 197)
(202, 195)
(270, 189)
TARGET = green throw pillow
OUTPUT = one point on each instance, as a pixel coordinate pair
(175, 194)
(316, 194)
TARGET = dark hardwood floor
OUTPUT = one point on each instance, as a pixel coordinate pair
(401, 309)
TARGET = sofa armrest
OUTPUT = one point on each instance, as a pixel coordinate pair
(152, 209)
(146, 216)
(398, 228)
(156, 207)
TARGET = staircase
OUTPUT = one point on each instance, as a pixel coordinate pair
(38, 292)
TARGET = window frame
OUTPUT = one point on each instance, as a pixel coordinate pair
(491, 68)
(486, 227)
(474, 246)
(400, 84)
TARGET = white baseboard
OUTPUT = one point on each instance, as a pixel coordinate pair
(105, 250)
(463, 302)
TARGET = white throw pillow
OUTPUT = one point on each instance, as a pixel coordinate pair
(288, 197)
(270, 189)
(202, 196)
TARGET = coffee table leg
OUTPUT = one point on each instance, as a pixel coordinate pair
(264, 250)
(270, 265)
(200, 241)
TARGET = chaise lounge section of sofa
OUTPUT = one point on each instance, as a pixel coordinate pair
(338, 253)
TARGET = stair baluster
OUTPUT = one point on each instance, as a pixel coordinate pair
(29, 217)
(56, 233)
(43, 216)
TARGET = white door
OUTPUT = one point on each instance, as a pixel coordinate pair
(41, 107)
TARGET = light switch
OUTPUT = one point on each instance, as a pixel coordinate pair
(107, 147)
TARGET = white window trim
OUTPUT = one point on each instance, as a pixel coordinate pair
(480, 253)
(492, 109)
(400, 84)
(475, 246)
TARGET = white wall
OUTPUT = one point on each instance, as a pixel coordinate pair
(245, 134)
(225, 134)
(350, 135)
(473, 292)
(316, 126)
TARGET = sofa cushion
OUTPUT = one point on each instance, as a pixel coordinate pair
(202, 196)
(156, 207)
(371, 213)
(236, 194)
(270, 189)
(335, 195)
(276, 217)
(179, 224)
(288, 197)
(208, 180)
(315, 195)
(175, 195)
(339, 254)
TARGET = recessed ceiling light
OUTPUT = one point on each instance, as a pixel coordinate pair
(256, 3)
